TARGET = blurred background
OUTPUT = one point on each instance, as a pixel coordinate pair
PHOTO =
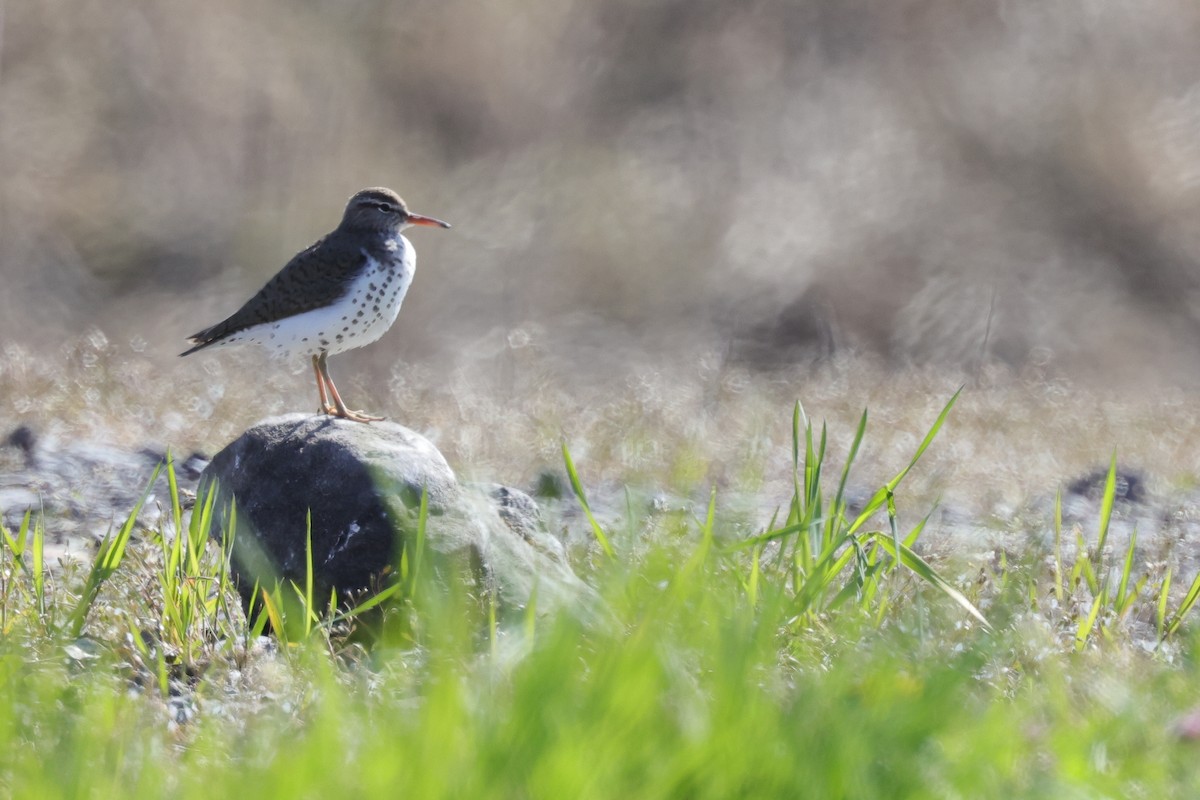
(767, 183)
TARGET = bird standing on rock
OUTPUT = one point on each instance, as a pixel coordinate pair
(342, 292)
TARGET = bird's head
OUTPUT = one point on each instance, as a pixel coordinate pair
(382, 210)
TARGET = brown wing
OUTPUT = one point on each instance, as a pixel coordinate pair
(314, 278)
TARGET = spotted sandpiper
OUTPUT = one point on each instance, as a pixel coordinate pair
(342, 292)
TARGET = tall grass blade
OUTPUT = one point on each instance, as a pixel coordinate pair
(273, 611)
(927, 573)
(38, 567)
(1083, 565)
(1106, 508)
(880, 497)
(893, 526)
(1160, 616)
(1189, 600)
(836, 509)
(16, 545)
(309, 600)
(377, 599)
(1124, 595)
(108, 558)
(577, 488)
(173, 490)
(799, 423)
(828, 565)
(419, 546)
(1086, 624)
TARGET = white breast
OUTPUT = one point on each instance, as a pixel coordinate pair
(360, 317)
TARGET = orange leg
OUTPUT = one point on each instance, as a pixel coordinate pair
(339, 408)
(324, 408)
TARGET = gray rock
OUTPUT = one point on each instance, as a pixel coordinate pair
(361, 487)
(24, 439)
(82, 489)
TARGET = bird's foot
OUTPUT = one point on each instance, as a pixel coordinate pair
(353, 416)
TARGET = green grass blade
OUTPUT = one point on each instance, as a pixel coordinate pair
(927, 573)
(1088, 623)
(814, 459)
(309, 601)
(108, 558)
(876, 502)
(880, 498)
(767, 536)
(16, 545)
(38, 567)
(893, 525)
(377, 599)
(799, 423)
(418, 553)
(1123, 599)
(836, 509)
(919, 528)
(1106, 508)
(272, 608)
(1160, 617)
(830, 564)
(1083, 566)
(1135, 592)
(577, 488)
(1189, 600)
(173, 491)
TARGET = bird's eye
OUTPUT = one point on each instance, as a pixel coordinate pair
(386, 208)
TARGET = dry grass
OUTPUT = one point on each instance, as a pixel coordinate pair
(502, 414)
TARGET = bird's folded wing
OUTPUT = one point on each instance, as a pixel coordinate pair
(314, 278)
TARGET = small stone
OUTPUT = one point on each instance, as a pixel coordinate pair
(24, 439)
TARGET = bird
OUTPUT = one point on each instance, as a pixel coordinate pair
(343, 291)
